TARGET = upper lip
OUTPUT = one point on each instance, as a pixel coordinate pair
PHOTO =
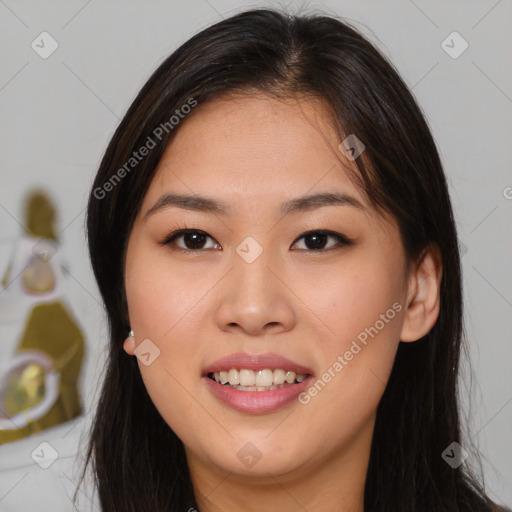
(241, 360)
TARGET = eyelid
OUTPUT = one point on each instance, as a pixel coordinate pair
(343, 239)
(169, 239)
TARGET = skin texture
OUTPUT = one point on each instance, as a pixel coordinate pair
(309, 305)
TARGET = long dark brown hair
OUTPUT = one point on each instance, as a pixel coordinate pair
(138, 462)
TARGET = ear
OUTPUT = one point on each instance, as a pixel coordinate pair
(129, 345)
(423, 295)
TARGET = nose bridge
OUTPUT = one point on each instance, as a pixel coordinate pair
(253, 298)
(251, 263)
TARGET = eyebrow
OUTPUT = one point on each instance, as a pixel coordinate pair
(210, 205)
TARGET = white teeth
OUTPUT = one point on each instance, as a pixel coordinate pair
(264, 378)
(290, 377)
(234, 378)
(247, 378)
(261, 380)
(279, 377)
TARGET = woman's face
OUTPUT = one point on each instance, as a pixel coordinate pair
(249, 282)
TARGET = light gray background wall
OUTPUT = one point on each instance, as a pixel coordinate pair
(58, 114)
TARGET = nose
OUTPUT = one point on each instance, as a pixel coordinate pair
(256, 298)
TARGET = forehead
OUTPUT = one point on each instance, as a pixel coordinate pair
(257, 146)
(235, 126)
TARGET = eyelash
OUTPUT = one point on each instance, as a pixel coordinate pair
(169, 240)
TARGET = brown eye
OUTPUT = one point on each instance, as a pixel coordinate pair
(317, 240)
(193, 240)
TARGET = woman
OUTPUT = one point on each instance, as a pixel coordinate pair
(271, 225)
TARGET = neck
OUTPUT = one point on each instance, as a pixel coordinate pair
(332, 484)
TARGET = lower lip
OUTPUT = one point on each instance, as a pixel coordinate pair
(257, 402)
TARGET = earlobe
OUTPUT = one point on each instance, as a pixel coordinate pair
(129, 344)
(424, 295)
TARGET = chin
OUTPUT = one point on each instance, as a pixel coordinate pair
(257, 456)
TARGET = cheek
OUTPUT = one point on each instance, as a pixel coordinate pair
(159, 295)
(361, 316)
(162, 303)
(365, 294)
(161, 308)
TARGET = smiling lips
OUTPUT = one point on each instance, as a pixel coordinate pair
(256, 383)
